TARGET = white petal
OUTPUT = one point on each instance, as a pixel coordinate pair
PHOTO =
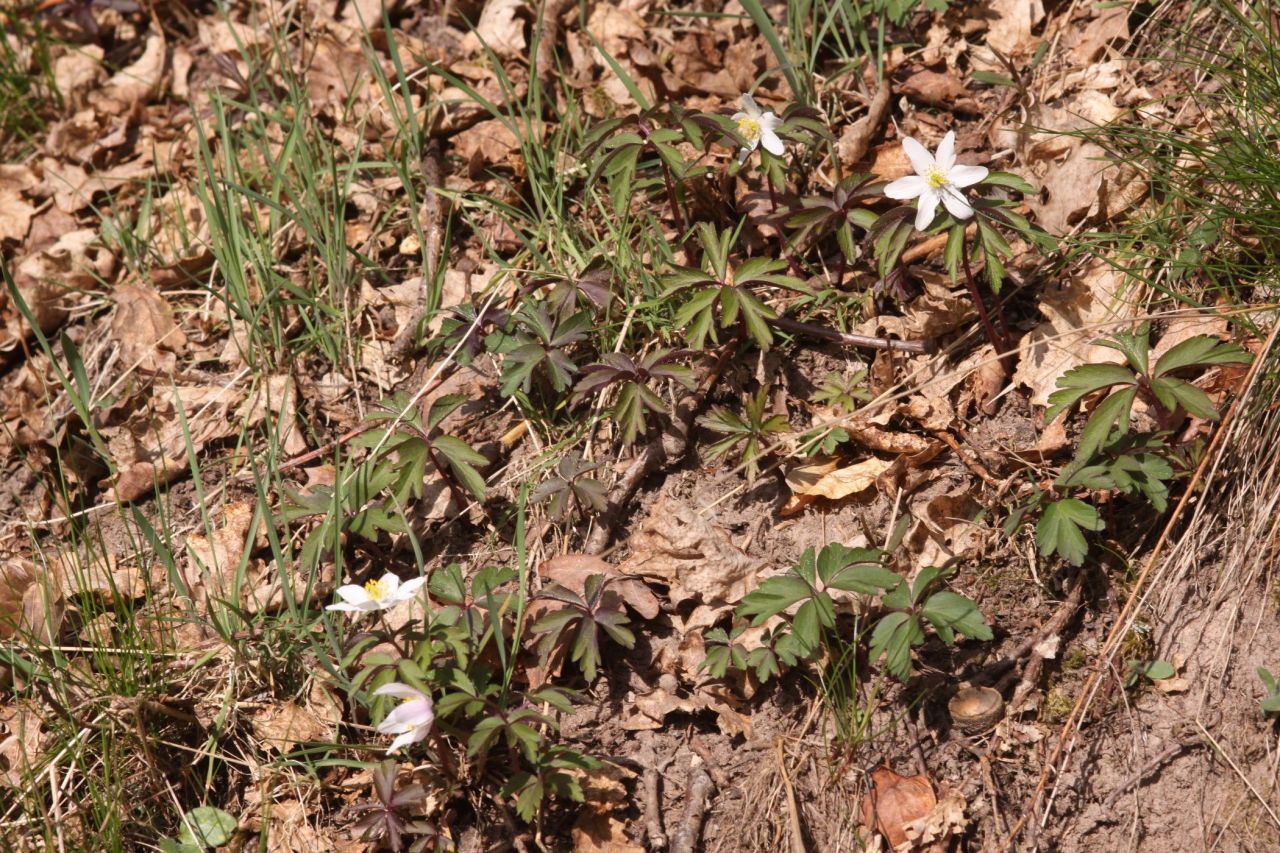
(947, 151)
(409, 588)
(956, 203)
(909, 187)
(349, 608)
(927, 207)
(967, 176)
(745, 151)
(390, 583)
(353, 594)
(414, 714)
(739, 115)
(921, 159)
(749, 104)
(772, 143)
(406, 739)
(400, 691)
(769, 122)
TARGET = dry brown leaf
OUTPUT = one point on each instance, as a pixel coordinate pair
(15, 215)
(30, 599)
(572, 570)
(151, 446)
(944, 822)
(1090, 304)
(932, 87)
(1186, 326)
(136, 82)
(144, 327)
(1110, 24)
(1012, 22)
(679, 547)
(100, 575)
(21, 729)
(599, 832)
(827, 480)
(77, 69)
(212, 563)
(489, 143)
(944, 529)
(500, 28)
(49, 280)
(896, 802)
(615, 28)
(917, 448)
(282, 727)
(648, 711)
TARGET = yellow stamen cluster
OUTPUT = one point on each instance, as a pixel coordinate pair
(936, 178)
(749, 128)
(377, 590)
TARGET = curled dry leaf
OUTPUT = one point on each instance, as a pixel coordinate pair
(679, 547)
(895, 802)
(830, 480)
(944, 822)
(15, 215)
(48, 281)
(21, 733)
(136, 82)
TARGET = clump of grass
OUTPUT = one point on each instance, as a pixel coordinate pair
(1210, 227)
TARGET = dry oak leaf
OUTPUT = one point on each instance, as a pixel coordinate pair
(601, 832)
(151, 446)
(1110, 24)
(213, 561)
(1091, 303)
(489, 143)
(679, 547)
(934, 88)
(30, 599)
(284, 726)
(144, 327)
(615, 28)
(500, 28)
(49, 279)
(1012, 22)
(895, 802)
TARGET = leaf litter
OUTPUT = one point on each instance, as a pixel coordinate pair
(152, 337)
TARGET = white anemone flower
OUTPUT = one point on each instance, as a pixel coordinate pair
(381, 594)
(411, 720)
(937, 179)
(757, 127)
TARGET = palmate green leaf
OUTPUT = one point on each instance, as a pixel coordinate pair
(1200, 351)
(893, 638)
(462, 461)
(1113, 411)
(949, 612)
(1081, 381)
(771, 597)
(813, 616)
(1173, 393)
(1134, 345)
(1061, 526)
(854, 569)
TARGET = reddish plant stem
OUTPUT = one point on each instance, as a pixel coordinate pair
(994, 337)
(671, 197)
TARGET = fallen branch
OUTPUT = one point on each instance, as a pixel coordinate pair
(797, 327)
(433, 230)
(698, 790)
